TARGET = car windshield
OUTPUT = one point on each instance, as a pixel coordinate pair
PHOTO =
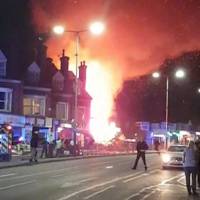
(176, 148)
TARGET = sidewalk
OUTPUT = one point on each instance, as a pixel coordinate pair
(18, 160)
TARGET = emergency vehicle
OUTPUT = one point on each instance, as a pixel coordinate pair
(5, 142)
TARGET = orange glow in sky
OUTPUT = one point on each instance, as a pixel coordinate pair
(137, 40)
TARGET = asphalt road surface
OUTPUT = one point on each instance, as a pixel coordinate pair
(109, 178)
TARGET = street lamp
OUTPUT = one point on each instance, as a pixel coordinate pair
(95, 28)
(179, 74)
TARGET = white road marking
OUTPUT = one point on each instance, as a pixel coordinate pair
(87, 179)
(15, 185)
(89, 188)
(182, 182)
(94, 186)
(131, 175)
(52, 171)
(109, 167)
(154, 186)
(58, 175)
(133, 178)
(151, 193)
(36, 174)
(141, 175)
(69, 184)
(98, 192)
(177, 185)
(170, 179)
(140, 192)
(5, 175)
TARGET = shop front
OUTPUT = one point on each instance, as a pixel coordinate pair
(159, 136)
(43, 126)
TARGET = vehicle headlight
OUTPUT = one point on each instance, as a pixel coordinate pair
(165, 158)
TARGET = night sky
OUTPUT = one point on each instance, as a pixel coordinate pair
(16, 35)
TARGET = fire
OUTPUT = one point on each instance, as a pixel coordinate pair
(102, 131)
(99, 85)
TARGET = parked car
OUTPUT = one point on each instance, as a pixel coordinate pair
(173, 157)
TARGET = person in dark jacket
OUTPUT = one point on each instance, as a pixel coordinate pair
(141, 148)
(157, 145)
(190, 161)
(198, 162)
(34, 145)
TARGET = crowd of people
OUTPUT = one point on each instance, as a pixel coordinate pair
(55, 148)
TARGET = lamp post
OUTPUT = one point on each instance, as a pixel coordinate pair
(95, 28)
(178, 74)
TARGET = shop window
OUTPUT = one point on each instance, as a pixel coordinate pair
(34, 105)
(5, 99)
(62, 110)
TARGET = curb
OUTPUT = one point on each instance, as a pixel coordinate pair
(66, 159)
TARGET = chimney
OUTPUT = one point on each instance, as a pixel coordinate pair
(41, 56)
(82, 73)
(64, 61)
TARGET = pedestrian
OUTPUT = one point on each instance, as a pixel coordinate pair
(198, 164)
(190, 166)
(34, 145)
(141, 148)
(59, 146)
(44, 148)
(157, 145)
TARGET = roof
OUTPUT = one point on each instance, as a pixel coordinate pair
(58, 76)
(2, 56)
(34, 67)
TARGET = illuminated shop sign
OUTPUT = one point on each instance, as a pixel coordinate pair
(14, 120)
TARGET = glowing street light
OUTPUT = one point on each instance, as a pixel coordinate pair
(156, 75)
(95, 28)
(58, 29)
(178, 74)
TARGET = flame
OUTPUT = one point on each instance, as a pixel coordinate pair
(99, 85)
(102, 131)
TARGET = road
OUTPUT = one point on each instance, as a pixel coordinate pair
(93, 179)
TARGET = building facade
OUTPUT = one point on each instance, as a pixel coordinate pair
(44, 98)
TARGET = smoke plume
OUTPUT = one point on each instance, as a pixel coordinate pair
(139, 35)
